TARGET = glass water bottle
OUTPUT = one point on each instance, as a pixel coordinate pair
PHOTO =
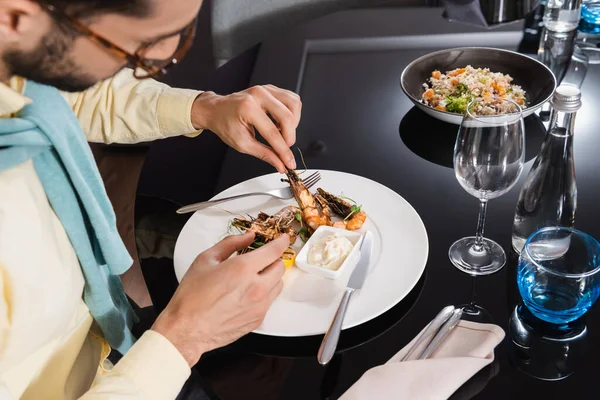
(549, 194)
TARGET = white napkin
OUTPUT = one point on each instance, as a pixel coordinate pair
(468, 349)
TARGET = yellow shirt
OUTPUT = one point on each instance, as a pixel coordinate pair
(48, 345)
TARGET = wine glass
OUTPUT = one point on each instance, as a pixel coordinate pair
(488, 159)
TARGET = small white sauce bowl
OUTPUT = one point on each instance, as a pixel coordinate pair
(349, 263)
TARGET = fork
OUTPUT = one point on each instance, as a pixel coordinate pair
(282, 193)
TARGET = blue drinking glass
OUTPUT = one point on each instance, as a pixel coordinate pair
(590, 17)
(558, 274)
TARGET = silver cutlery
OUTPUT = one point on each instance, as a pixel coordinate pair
(442, 334)
(433, 327)
(357, 279)
(282, 193)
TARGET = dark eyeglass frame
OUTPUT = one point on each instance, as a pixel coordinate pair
(136, 60)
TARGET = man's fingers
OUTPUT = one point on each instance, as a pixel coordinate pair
(290, 99)
(272, 273)
(226, 247)
(269, 131)
(275, 290)
(259, 150)
(284, 117)
(266, 255)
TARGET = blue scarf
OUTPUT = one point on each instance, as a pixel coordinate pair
(48, 132)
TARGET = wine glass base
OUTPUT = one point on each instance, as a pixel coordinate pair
(468, 258)
(475, 313)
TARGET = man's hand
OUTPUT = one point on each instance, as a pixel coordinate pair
(234, 117)
(220, 299)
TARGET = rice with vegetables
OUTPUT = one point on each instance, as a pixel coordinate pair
(455, 89)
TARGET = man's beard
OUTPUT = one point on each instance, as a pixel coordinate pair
(50, 64)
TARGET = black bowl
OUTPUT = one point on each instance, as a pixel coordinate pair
(534, 77)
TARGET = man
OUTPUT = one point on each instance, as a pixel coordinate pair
(57, 239)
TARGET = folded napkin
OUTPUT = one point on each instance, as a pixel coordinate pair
(468, 349)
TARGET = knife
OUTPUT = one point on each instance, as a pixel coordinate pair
(442, 334)
(357, 279)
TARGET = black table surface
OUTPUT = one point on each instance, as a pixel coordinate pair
(356, 119)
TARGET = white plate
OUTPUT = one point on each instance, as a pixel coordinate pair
(308, 303)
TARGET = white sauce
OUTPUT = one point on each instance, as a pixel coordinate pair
(330, 252)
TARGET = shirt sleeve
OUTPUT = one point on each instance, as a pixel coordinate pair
(152, 369)
(123, 109)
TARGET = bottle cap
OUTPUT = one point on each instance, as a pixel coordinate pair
(566, 98)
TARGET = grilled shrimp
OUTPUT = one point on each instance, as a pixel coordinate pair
(313, 213)
(269, 227)
(323, 206)
(352, 220)
(353, 223)
(284, 217)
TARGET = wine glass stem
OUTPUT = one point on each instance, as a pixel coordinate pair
(480, 224)
(473, 292)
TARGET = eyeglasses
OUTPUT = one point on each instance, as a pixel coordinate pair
(141, 61)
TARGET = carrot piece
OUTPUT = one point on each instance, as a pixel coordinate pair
(454, 81)
(457, 71)
(428, 94)
(500, 89)
(436, 74)
(441, 108)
